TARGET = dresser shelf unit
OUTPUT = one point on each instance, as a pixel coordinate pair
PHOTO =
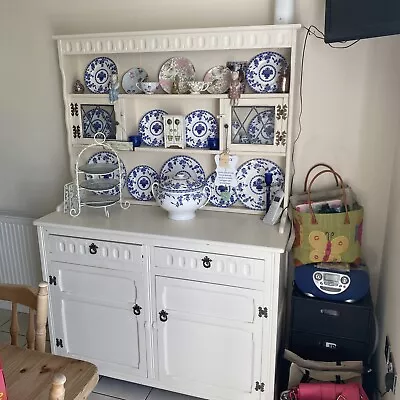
(205, 47)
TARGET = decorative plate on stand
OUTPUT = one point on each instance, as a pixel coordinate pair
(98, 74)
(97, 120)
(263, 71)
(200, 125)
(139, 182)
(110, 158)
(151, 128)
(261, 128)
(217, 193)
(251, 188)
(131, 78)
(220, 79)
(188, 165)
(176, 68)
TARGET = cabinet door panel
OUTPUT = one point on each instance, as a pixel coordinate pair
(211, 338)
(92, 314)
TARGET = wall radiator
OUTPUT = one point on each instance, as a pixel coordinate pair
(19, 251)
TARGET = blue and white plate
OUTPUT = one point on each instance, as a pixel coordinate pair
(251, 188)
(98, 74)
(185, 164)
(217, 193)
(200, 125)
(111, 158)
(151, 128)
(261, 127)
(139, 182)
(263, 71)
(97, 120)
(131, 78)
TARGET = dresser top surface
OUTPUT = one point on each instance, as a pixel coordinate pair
(208, 226)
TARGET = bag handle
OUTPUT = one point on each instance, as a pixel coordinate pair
(314, 218)
(312, 169)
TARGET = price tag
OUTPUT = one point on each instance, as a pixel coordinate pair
(226, 170)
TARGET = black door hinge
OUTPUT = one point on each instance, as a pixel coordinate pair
(260, 386)
(52, 280)
(59, 342)
(263, 312)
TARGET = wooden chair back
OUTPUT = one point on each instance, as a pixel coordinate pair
(37, 301)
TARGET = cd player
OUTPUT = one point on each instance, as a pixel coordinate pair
(339, 282)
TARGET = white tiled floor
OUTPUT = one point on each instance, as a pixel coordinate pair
(108, 389)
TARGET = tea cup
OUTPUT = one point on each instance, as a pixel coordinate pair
(148, 87)
(198, 86)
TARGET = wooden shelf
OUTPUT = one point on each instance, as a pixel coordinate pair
(187, 150)
(92, 96)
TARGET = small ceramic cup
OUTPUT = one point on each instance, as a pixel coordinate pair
(148, 87)
(213, 143)
(136, 140)
(198, 86)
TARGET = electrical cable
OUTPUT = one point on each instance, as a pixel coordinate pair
(311, 30)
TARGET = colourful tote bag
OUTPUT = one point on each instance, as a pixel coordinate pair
(332, 237)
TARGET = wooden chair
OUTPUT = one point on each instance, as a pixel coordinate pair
(36, 300)
(57, 391)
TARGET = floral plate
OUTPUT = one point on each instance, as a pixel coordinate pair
(98, 74)
(263, 71)
(220, 79)
(131, 78)
(217, 197)
(97, 120)
(200, 125)
(261, 127)
(139, 182)
(111, 158)
(151, 128)
(182, 164)
(251, 188)
(176, 68)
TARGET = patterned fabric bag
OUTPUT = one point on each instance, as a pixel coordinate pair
(333, 237)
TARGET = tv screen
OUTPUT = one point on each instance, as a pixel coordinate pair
(360, 19)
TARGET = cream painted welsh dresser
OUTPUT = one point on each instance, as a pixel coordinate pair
(194, 307)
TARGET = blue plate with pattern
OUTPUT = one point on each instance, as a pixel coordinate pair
(263, 71)
(98, 74)
(151, 128)
(261, 127)
(184, 164)
(221, 196)
(139, 182)
(97, 120)
(200, 125)
(107, 157)
(251, 188)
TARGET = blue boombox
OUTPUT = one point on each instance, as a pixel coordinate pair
(333, 282)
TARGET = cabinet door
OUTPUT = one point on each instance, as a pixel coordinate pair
(209, 337)
(93, 313)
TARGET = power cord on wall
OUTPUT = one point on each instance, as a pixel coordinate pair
(311, 30)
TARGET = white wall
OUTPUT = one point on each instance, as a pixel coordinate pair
(349, 108)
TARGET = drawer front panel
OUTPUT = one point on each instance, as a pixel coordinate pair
(213, 264)
(92, 251)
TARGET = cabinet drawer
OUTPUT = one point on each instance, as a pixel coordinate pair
(209, 263)
(92, 251)
(343, 320)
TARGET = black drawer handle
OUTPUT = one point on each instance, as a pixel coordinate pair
(93, 249)
(163, 315)
(206, 262)
(136, 309)
(330, 313)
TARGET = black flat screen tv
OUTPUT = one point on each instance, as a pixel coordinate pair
(360, 19)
